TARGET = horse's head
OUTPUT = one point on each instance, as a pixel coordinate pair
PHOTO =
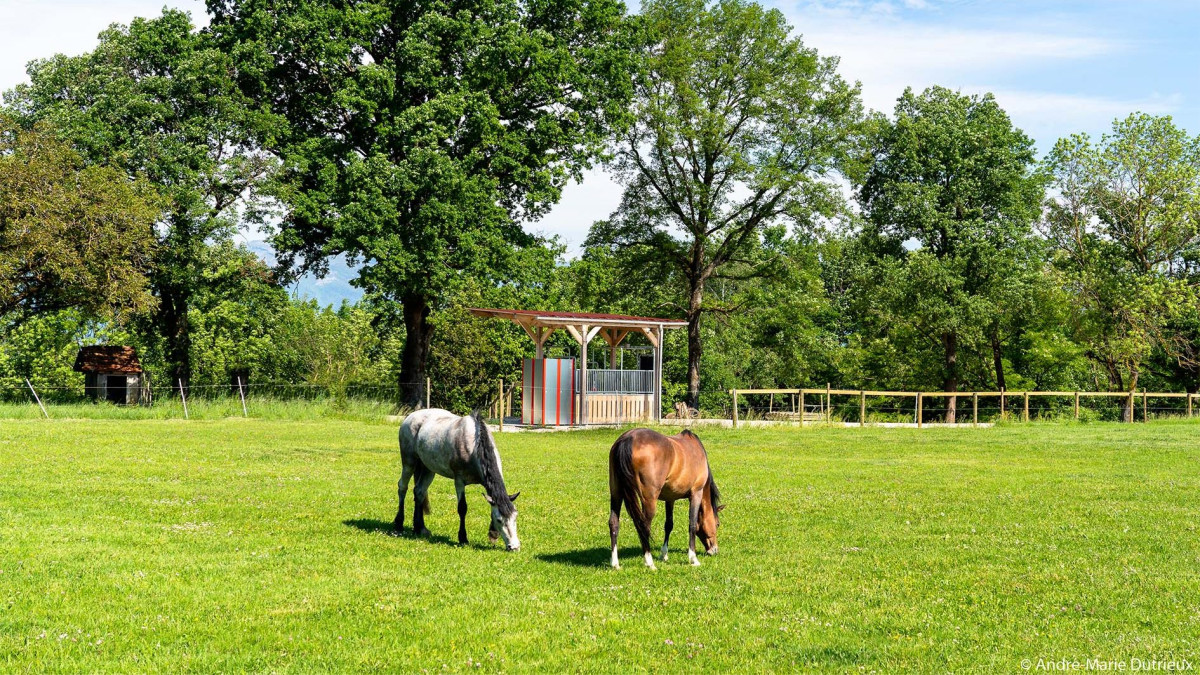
(710, 518)
(504, 520)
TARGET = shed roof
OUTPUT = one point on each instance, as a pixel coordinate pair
(531, 316)
(107, 359)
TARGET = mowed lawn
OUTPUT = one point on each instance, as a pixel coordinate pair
(261, 545)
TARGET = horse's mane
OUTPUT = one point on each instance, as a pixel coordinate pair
(489, 468)
(714, 495)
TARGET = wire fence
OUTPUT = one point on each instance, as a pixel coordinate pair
(937, 407)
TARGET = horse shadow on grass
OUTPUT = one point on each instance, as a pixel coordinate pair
(592, 557)
(376, 526)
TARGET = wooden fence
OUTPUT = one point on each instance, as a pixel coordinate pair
(799, 413)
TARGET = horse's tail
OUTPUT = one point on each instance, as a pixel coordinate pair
(620, 467)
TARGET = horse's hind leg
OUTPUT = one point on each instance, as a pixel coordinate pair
(461, 489)
(421, 499)
(614, 526)
(649, 506)
(670, 524)
(402, 489)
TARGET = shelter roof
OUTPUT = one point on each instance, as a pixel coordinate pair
(107, 359)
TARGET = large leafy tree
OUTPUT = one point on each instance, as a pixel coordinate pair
(950, 197)
(738, 127)
(71, 235)
(1125, 224)
(157, 99)
(416, 136)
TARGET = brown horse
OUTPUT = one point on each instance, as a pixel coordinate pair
(645, 467)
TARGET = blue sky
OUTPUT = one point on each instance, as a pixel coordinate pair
(1057, 67)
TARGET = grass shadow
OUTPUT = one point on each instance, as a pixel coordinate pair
(592, 557)
(374, 525)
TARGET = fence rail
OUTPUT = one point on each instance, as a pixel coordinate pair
(795, 408)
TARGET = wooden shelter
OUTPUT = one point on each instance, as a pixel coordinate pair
(610, 395)
(112, 373)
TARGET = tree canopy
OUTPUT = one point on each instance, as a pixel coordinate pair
(72, 236)
(415, 137)
(737, 128)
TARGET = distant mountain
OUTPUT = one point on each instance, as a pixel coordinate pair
(331, 289)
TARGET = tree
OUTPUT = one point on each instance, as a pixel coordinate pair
(416, 136)
(1125, 225)
(950, 198)
(157, 100)
(738, 126)
(71, 235)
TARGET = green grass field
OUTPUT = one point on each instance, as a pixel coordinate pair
(231, 545)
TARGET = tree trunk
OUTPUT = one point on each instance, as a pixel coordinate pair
(173, 323)
(998, 360)
(417, 333)
(695, 348)
(950, 346)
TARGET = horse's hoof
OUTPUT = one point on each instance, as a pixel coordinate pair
(424, 532)
(650, 562)
(395, 532)
(695, 562)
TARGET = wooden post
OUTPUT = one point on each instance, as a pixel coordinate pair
(975, 409)
(862, 408)
(242, 395)
(735, 410)
(1145, 407)
(500, 405)
(1129, 409)
(183, 397)
(37, 398)
(1026, 395)
(801, 407)
(1002, 403)
(920, 411)
(427, 406)
(828, 411)
(771, 405)
(1076, 406)
(1189, 401)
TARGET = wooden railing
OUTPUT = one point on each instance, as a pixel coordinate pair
(918, 407)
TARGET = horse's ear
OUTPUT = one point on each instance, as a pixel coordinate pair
(488, 498)
(513, 497)
(720, 508)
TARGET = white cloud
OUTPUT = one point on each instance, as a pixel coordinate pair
(35, 29)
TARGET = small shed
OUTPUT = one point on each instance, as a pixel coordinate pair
(112, 373)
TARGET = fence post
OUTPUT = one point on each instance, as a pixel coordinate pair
(1001, 403)
(801, 407)
(500, 405)
(1189, 401)
(1026, 406)
(183, 397)
(828, 406)
(733, 392)
(1145, 407)
(427, 406)
(37, 398)
(242, 395)
(920, 410)
(1076, 406)
(771, 405)
(1129, 409)
(975, 409)
(862, 408)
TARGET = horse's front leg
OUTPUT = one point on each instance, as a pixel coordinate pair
(668, 527)
(693, 520)
(461, 489)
